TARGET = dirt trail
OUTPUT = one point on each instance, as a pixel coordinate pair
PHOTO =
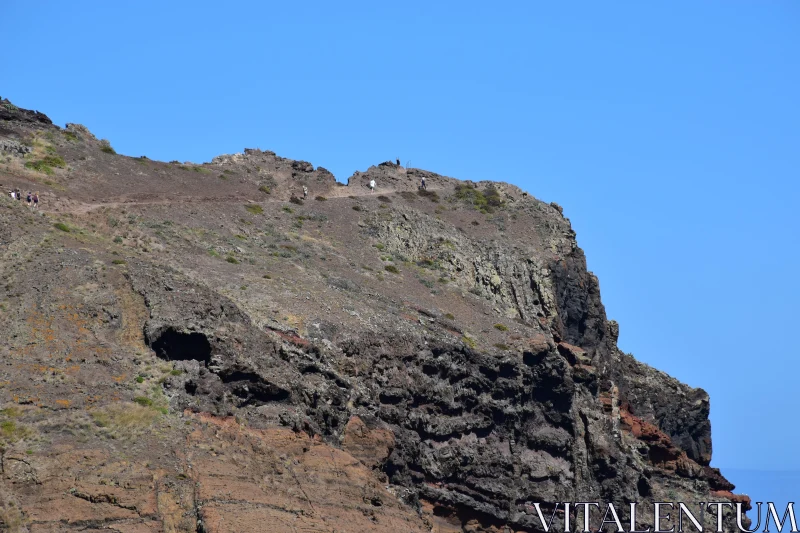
(82, 208)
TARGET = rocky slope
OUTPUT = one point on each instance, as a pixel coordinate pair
(194, 348)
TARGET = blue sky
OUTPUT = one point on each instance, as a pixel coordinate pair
(669, 132)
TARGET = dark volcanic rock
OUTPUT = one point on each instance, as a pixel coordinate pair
(9, 111)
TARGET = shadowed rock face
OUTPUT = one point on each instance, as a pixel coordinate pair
(190, 351)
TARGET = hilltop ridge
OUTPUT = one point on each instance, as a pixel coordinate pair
(193, 347)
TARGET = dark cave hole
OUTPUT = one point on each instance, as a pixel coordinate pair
(174, 345)
(507, 371)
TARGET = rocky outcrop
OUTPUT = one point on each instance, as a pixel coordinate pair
(10, 112)
(14, 147)
(220, 359)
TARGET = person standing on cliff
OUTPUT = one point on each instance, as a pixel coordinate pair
(305, 192)
(371, 185)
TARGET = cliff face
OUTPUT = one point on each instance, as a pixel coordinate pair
(194, 348)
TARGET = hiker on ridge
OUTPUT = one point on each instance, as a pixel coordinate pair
(305, 192)
(422, 184)
(29, 198)
(371, 185)
(36, 199)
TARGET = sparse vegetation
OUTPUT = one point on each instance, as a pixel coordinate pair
(143, 400)
(430, 195)
(485, 201)
(118, 239)
(121, 420)
(265, 189)
(501, 327)
(46, 164)
(61, 226)
(296, 200)
(119, 261)
(391, 268)
(11, 432)
(356, 208)
(501, 346)
(320, 198)
(232, 260)
(384, 199)
(106, 147)
(254, 209)
(449, 316)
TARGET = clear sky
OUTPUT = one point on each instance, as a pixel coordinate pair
(668, 131)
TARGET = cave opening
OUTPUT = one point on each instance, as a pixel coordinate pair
(174, 345)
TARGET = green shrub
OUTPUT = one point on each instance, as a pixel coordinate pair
(449, 316)
(105, 147)
(356, 208)
(265, 189)
(118, 239)
(501, 346)
(46, 164)
(501, 327)
(63, 227)
(485, 201)
(320, 198)
(288, 209)
(54, 161)
(391, 268)
(71, 136)
(385, 199)
(428, 283)
(222, 177)
(139, 379)
(232, 260)
(379, 246)
(144, 401)
(176, 372)
(254, 209)
(296, 200)
(266, 276)
(119, 261)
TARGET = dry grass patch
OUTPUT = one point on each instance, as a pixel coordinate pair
(124, 419)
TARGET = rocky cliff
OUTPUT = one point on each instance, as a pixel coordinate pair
(193, 347)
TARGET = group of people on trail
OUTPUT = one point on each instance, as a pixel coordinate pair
(32, 198)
